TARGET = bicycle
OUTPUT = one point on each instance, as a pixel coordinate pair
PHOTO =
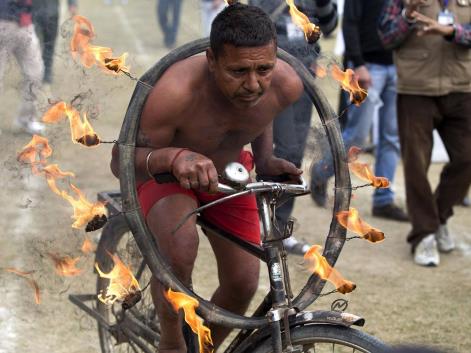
(279, 324)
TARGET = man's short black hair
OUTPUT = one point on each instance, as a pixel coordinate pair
(241, 26)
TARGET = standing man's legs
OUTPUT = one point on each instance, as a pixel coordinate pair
(162, 16)
(173, 30)
(290, 131)
(28, 54)
(388, 150)
(47, 25)
(417, 116)
(455, 131)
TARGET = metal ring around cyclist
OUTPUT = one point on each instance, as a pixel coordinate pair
(136, 221)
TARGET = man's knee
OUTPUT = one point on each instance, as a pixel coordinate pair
(241, 287)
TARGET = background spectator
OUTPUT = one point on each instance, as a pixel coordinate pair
(17, 38)
(168, 14)
(291, 127)
(432, 96)
(209, 10)
(46, 20)
(375, 71)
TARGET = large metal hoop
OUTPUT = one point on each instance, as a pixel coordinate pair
(145, 240)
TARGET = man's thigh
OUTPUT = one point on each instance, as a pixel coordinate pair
(235, 265)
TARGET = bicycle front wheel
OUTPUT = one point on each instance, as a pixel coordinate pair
(327, 338)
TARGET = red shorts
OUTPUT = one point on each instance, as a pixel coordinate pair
(238, 216)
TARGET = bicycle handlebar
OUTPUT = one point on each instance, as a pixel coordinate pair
(259, 186)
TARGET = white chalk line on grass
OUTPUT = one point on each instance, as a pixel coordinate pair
(140, 49)
(10, 335)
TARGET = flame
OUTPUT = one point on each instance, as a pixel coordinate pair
(311, 31)
(363, 170)
(87, 246)
(189, 305)
(352, 221)
(35, 153)
(65, 266)
(84, 210)
(350, 84)
(31, 282)
(91, 55)
(321, 71)
(122, 282)
(52, 172)
(318, 264)
(80, 131)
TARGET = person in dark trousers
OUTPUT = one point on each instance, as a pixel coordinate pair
(291, 127)
(168, 14)
(374, 68)
(432, 42)
(46, 22)
(18, 39)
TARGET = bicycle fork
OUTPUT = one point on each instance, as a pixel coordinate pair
(279, 277)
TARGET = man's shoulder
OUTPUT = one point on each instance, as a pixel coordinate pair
(183, 76)
(287, 84)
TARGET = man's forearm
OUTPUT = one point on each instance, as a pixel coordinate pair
(146, 163)
(393, 27)
(262, 146)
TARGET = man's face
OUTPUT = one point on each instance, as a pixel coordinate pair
(243, 74)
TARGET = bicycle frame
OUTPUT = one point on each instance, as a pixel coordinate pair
(276, 305)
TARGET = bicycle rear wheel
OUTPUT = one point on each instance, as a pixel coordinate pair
(117, 239)
(327, 338)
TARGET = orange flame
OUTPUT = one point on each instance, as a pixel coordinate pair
(321, 71)
(84, 210)
(52, 172)
(318, 264)
(363, 170)
(31, 282)
(189, 305)
(350, 84)
(35, 153)
(65, 266)
(91, 54)
(311, 31)
(351, 220)
(87, 246)
(81, 132)
(122, 282)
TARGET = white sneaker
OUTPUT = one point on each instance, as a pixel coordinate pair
(444, 240)
(31, 127)
(296, 247)
(426, 253)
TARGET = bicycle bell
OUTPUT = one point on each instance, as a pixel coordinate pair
(236, 174)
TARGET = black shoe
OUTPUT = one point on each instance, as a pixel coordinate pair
(319, 193)
(390, 211)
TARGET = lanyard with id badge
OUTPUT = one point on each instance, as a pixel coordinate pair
(445, 16)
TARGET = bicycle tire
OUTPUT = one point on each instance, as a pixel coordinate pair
(331, 336)
(112, 235)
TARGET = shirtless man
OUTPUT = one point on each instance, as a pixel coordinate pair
(198, 117)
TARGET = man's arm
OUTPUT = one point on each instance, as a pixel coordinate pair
(352, 15)
(394, 23)
(326, 14)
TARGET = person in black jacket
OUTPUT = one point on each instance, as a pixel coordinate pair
(291, 127)
(374, 68)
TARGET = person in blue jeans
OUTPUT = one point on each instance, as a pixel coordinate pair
(375, 71)
(168, 14)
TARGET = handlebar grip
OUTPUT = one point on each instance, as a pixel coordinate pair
(275, 178)
(165, 178)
